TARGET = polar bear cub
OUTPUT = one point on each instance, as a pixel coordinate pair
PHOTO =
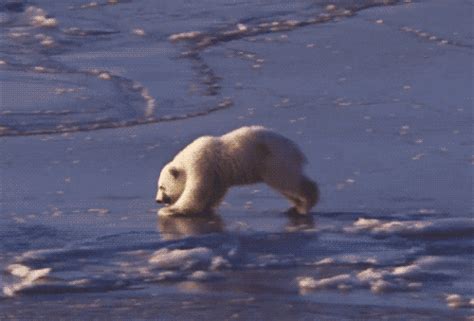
(198, 177)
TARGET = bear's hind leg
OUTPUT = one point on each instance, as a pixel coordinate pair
(308, 191)
(301, 204)
(298, 189)
(298, 204)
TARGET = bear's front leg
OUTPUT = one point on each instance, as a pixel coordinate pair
(168, 211)
(189, 203)
(200, 196)
(179, 210)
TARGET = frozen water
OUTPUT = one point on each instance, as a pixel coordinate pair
(63, 64)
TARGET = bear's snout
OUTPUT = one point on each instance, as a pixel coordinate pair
(164, 199)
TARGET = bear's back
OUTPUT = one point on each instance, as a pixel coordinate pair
(197, 149)
(247, 151)
(261, 142)
(243, 142)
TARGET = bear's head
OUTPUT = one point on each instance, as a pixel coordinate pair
(170, 185)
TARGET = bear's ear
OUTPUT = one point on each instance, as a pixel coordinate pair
(174, 171)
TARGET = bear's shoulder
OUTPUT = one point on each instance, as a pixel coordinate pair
(246, 130)
(197, 147)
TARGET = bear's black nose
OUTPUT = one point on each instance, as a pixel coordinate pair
(166, 200)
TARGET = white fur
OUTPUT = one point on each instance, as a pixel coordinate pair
(197, 179)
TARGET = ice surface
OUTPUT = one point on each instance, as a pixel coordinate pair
(71, 38)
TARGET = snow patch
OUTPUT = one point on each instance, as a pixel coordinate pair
(27, 276)
(407, 277)
(347, 259)
(441, 227)
(370, 275)
(331, 282)
(378, 226)
(184, 36)
(181, 259)
(202, 276)
(456, 301)
(219, 263)
(39, 18)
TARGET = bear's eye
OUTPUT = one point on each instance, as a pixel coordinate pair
(162, 188)
(174, 172)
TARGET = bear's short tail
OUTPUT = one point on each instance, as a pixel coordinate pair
(311, 191)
